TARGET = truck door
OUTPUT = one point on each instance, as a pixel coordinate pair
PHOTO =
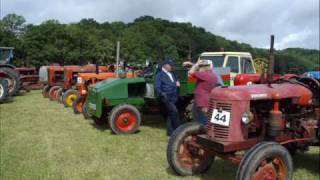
(247, 65)
(233, 63)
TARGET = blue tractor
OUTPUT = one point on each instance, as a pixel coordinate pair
(9, 78)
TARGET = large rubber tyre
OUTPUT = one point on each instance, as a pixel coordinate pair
(68, 97)
(85, 112)
(266, 160)
(45, 91)
(185, 159)
(78, 104)
(124, 119)
(53, 93)
(13, 80)
(4, 90)
(59, 95)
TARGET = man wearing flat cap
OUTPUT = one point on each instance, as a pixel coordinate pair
(167, 86)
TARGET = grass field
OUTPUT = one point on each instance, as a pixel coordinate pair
(43, 140)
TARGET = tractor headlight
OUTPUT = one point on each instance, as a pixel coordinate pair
(79, 80)
(247, 117)
(83, 92)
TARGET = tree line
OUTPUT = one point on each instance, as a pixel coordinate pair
(146, 38)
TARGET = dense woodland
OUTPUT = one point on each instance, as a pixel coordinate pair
(89, 41)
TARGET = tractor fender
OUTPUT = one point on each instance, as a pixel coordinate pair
(7, 66)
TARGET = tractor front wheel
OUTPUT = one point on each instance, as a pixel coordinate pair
(45, 91)
(59, 95)
(53, 92)
(85, 112)
(68, 97)
(78, 104)
(13, 80)
(184, 157)
(266, 160)
(124, 119)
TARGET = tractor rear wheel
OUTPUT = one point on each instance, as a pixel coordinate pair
(45, 91)
(59, 95)
(266, 160)
(185, 158)
(13, 80)
(53, 93)
(68, 97)
(78, 104)
(3, 89)
(124, 119)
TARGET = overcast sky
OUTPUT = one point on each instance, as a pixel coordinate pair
(295, 23)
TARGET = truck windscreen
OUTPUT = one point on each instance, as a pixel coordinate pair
(216, 60)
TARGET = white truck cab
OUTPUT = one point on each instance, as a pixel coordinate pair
(238, 62)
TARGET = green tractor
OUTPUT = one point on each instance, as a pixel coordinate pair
(123, 99)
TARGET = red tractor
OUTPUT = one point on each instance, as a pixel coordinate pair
(266, 121)
(29, 78)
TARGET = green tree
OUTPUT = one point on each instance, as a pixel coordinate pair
(13, 23)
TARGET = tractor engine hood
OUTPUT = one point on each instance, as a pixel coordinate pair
(102, 85)
(115, 84)
(263, 92)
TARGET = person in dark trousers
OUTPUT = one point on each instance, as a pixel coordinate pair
(167, 86)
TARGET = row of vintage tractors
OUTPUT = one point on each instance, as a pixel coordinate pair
(254, 126)
(257, 123)
(69, 84)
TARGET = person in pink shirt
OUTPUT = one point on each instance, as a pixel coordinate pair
(206, 81)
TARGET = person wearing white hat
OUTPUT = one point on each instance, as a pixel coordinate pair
(206, 81)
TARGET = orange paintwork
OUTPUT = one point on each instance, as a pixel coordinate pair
(52, 71)
(69, 72)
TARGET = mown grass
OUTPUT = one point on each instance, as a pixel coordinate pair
(43, 140)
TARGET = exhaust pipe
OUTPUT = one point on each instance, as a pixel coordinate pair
(97, 67)
(270, 71)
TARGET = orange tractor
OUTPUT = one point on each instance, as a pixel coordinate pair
(85, 80)
(55, 76)
(67, 92)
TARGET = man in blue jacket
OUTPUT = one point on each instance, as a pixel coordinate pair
(167, 86)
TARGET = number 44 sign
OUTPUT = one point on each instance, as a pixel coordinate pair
(220, 117)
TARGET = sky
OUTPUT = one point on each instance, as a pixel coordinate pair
(295, 23)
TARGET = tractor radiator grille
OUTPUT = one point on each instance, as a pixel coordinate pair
(214, 130)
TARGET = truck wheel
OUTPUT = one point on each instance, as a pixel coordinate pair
(68, 97)
(45, 91)
(13, 80)
(266, 160)
(124, 119)
(53, 93)
(184, 158)
(85, 112)
(59, 95)
(78, 104)
(3, 89)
